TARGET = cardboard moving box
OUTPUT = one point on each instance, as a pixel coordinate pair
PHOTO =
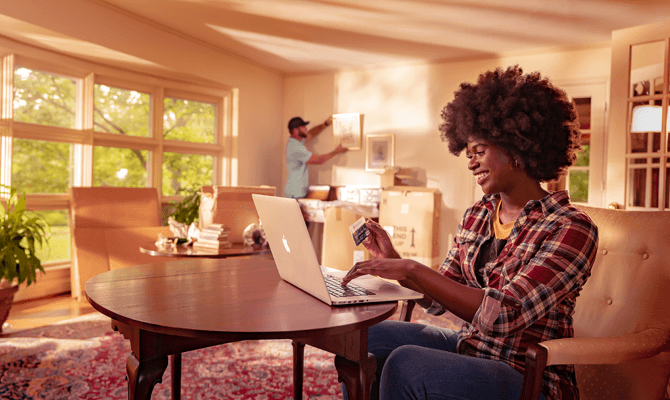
(411, 216)
(230, 205)
(338, 249)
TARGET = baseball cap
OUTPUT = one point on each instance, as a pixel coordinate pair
(296, 122)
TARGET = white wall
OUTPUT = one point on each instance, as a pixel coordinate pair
(406, 101)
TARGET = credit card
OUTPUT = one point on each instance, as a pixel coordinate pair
(359, 231)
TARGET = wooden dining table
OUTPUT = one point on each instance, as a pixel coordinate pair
(172, 307)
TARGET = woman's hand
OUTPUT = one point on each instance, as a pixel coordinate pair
(378, 242)
(396, 269)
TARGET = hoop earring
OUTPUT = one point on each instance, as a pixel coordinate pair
(516, 163)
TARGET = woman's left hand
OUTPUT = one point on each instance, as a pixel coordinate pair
(388, 268)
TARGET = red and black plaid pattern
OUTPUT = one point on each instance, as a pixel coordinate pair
(530, 289)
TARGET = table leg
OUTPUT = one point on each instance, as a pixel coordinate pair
(176, 375)
(143, 376)
(357, 377)
(298, 363)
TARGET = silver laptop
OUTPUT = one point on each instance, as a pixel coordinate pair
(296, 260)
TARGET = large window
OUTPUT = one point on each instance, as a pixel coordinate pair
(65, 127)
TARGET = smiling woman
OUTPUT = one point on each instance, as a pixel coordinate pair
(520, 257)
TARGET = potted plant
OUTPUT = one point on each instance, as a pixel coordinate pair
(20, 233)
(186, 211)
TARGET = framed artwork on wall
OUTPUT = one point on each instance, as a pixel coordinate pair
(348, 129)
(379, 152)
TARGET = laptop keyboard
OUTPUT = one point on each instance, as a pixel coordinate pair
(335, 288)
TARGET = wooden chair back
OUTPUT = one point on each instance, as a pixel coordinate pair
(107, 226)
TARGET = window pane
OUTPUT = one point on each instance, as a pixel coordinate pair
(584, 156)
(185, 171)
(45, 99)
(579, 186)
(645, 128)
(638, 187)
(656, 144)
(190, 121)
(583, 106)
(646, 68)
(59, 242)
(655, 182)
(123, 112)
(41, 167)
(638, 142)
(120, 167)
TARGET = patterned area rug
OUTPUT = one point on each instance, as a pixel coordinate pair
(83, 358)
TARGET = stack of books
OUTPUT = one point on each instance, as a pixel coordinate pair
(213, 237)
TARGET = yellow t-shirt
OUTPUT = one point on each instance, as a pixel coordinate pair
(501, 231)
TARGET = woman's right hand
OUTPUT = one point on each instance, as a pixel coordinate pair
(379, 243)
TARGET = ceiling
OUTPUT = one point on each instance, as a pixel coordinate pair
(299, 36)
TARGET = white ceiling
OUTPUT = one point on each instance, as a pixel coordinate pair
(297, 36)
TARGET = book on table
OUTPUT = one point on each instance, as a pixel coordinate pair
(211, 242)
(219, 238)
(216, 228)
(214, 232)
(212, 246)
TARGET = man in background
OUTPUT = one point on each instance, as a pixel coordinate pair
(298, 157)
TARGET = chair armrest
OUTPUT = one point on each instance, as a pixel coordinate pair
(607, 350)
(406, 310)
(592, 350)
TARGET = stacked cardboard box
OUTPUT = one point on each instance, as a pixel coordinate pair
(411, 216)
(339, 250)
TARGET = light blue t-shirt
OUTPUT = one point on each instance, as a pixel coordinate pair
(296, 163)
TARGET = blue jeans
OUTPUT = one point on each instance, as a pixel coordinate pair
(416, 361)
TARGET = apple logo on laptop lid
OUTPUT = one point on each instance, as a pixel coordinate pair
(283, 239)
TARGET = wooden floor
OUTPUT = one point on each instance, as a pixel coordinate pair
(35, 313)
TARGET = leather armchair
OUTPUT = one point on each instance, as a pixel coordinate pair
(621, 348)
(622, 316)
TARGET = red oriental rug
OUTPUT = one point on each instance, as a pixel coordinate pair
(83, 358)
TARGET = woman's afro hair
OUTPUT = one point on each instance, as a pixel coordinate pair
(525, 115)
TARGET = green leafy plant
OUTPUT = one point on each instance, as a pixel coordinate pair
(20, 232)
(187, 210)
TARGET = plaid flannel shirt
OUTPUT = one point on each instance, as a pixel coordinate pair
(530, 289)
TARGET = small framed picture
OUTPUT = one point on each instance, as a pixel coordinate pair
(379, 152)
(348, 129)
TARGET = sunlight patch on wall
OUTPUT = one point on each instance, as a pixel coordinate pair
(392, 99)
(319, 55)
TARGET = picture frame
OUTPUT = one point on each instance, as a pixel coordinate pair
(348, 130)
(379, 152)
